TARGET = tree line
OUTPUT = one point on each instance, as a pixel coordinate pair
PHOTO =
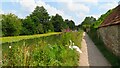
(91, 22)
(38, 22)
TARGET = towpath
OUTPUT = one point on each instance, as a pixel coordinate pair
(90, 55)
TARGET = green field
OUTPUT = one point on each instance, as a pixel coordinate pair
(18, 38)
(41, 50)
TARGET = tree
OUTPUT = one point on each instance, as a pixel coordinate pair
(88, 21)
(1, 33)
(39, 29)
(57, 22)
(40, 17)
(11, 25)
(28, 26)
(48, 27)
(70, 24)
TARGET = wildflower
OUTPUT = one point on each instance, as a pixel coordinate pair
(9, 46)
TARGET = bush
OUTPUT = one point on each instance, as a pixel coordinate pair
(11, 25)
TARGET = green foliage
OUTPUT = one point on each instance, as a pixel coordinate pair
(11, 25)
(37, 22)
(28, 26)
(42, 51)
(48, 27)
(70, 24)
(88, 21)
(40, 15)
(57, 22)
(101, 19)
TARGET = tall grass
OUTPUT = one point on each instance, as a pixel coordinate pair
(44, 51)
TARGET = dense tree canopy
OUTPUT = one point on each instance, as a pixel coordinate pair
(28, 26)
(37, 22)
(11, 25)
(70, 24)
(40, 15)
(57, 22)
(88, 21)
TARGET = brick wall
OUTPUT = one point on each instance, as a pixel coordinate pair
(111, 38)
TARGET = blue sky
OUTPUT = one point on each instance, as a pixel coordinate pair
(75, 10)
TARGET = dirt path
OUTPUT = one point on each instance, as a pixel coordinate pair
(90, 55)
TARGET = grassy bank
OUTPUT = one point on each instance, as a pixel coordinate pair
(114, 60)
(50, 50)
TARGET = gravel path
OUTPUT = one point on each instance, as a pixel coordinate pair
(90, 55)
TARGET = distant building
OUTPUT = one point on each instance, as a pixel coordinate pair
(109, 31)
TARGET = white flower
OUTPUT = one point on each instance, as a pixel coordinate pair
(9, 46)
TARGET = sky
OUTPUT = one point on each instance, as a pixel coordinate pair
(75, 10)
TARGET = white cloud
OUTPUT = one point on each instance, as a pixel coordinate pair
(108, 6)
(52, 10)
(1, 12)
(105, 7)
(87, 1)
(78, 7)
(108, 1)
(80, 18)
(29, 5)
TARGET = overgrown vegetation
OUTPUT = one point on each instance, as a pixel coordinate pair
(44, 51)
(114, 60)
(101, 19)
(88, 21)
